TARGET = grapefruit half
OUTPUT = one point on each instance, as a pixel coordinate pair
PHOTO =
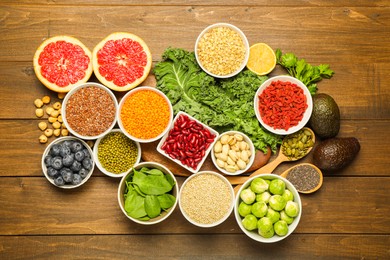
(121, 61)
(61, 62)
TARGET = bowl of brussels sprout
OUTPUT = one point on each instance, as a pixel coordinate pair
(268, 208)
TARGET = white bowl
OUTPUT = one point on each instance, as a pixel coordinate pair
(100, 166)
(208, 191)
(251, 158)
(207, 151)
(244, 39)
(59, 141)
(144, 88)
(164, 214)
(74, 90)
(306, 115)
(254, 234)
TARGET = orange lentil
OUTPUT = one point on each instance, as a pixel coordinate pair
(145, 114)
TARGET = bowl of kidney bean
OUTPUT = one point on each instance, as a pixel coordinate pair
(188, 142)
(283, 105)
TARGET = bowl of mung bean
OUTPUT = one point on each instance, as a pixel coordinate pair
(222, 50)
(206, 199)
(115, 154)
(89, 110)
(144, 114)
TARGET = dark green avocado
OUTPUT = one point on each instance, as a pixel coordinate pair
(335, 153)
(325, 118)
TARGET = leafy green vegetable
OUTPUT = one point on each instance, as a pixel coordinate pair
(151, 184)
(223, 104)
(166, 201)
(152, 206)
(302, 70)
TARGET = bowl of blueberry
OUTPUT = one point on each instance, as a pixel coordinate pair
(67, 162)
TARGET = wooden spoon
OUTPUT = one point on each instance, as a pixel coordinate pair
(286, 173)
(268, 168)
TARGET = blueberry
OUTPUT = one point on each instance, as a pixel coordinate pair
(47, 160)
(79, 156)
(83, 173)
(87, 163)
(66, 174)
(55, 150)
(76, 146)
(76, 166)
(64, 149)
(68, 143)
(59, 181)
(86, 153)
(68, 160)
(76, 179)
(52, 172)
(56, 163)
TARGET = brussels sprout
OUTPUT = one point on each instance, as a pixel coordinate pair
(259, 209)
(259, 185)
(248, 196)
(292, 209)
(249, 222)
(265, 227)
(281, 228)
(263, 196)
(288, 195)
(285, 217)
(277, 202)
(273, 215)
(244, 209)
(277, 187)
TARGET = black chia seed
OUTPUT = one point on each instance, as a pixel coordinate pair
(304, 177)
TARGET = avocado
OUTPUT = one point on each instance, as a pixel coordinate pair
(325, 118)
(335, 153)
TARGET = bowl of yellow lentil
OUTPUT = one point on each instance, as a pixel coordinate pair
(144, 114)
(206, 199)
(115, 154)
(222, 50)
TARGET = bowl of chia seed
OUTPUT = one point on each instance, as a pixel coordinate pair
(89, 111)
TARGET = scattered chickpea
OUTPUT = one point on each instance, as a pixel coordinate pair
(46, 100)
(42, 126)
(39, 112)
(49, 110)
(57, 105)
(48, 132)
(59, 119)
(43, 139)
(38, 103)
(61, 95)
(90, 143)
(64, 132)
(56, 125)
(55, 113)
(57, 132)
(52, 119)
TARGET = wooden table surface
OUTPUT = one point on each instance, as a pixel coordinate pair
(349, 217)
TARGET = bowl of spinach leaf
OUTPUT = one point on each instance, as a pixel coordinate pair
(147, 194)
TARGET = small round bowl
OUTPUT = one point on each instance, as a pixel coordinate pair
(164, 213)
(100, 166)
(248, 159)
(254, 234)
(47, 152)
(121, 103)
(306, 115)
(245, 42)
(202, 190)
(65, 103)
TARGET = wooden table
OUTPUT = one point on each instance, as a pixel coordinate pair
(348, 217)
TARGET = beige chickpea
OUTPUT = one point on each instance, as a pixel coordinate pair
(64, 132)
(56, 125)
(48, 132)
(57, 105)
(52, 119)
(55, 113)
(61, 95)
(38, 103)
(49, 110)
(59, 119)
(43, 139)
(42, 126)
(46, 100)
(57, 132)
(39, 112)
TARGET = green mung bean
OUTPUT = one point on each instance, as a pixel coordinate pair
(117, 153)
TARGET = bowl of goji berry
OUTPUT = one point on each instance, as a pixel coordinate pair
(283, 105)
(188, 142)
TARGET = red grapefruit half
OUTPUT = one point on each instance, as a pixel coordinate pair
(121, 61)
(61, 62)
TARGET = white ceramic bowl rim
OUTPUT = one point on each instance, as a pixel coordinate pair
(244, 39)
(142, 88)
(74, 90)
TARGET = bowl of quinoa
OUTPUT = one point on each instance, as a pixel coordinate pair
(115, 154)
(206, 199)
(222, 50)
(144, 114)
(89, 111)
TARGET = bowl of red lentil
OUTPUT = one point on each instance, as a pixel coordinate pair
(222, 50)
(283, 105)
(206, 199)
(187, 142)
(89, 111)
(144, 114)
(115, 154)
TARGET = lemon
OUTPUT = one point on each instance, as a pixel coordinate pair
(262, 59)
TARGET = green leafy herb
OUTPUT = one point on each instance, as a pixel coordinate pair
(220, 103)
(302, 70)
(152, 206)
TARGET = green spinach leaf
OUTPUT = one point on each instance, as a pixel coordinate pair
(152, 206)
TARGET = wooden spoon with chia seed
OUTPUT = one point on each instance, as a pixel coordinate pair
(306, 177)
